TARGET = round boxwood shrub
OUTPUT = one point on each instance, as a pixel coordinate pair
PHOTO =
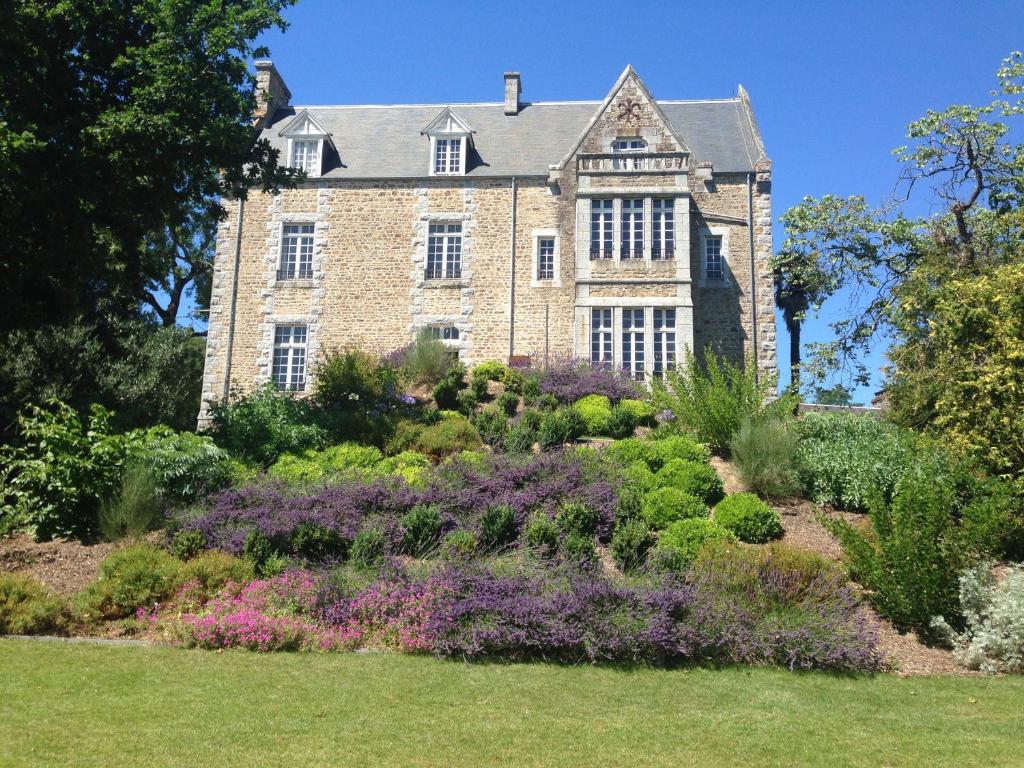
(317, 542)
(368, 548)
(458, 545)
(497, 527)
(508, 403)
(621, 423)
(596, 412)
(638, 475)
(697, 479)
(573, 517)
(541, 534)
(421, 528)
(641, 410)
(188, 544)
(684, 539)
(578, 549)
(630, 543)
(665, 449)
(632, 450)
(664, 506)
(749, 518)
(492, 423)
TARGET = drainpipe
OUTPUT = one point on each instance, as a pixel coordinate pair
(512, 278)
(234, 300)
(753, 273)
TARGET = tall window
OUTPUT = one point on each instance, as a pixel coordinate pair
(633, 342)
(601, 337)
(443, 332)
(629, 145)
(663, 226)
(289, 367)
(444, 251)
(306, 156)
(546, 258)
(714, 265)
(296, 252)
(632, 229)
(664, 341)
(447, 156)
(601, 232)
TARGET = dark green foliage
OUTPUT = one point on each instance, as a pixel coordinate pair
(131, 578)
(508, 403)
(764, 453)
(554, 429)
(188, 544)
(133, 509)
(265, 423)
(27, 607)
(368, 548)
(630, 544)
(546, 402)
(664, 506)
(353, 380)
(520, 437)
(458, 546)
(212, 571)
(421, 527)
(578, 549)
(446, 393)
(748, 518)
(497, 527)
(574, 518)
(466, 402)
(531, 418)
(447, 437)
(317, 543)
(684, 540)
(261, 552)
(622, 423)
(541, 535)
(491, 424)
(697, 479)
(713, 399)
(629, 504)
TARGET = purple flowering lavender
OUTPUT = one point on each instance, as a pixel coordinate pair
(569, 379)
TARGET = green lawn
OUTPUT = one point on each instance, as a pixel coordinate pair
(72, 705)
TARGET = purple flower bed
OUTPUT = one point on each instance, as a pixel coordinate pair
(569, 379)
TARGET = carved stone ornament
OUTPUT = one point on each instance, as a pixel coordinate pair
(629, 111)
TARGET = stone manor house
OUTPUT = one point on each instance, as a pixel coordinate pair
(622, 231)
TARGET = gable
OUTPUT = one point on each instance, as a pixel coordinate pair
(304, 126)
(447, 123)
(628, 111)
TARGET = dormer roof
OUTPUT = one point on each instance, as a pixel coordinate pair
(447, 123)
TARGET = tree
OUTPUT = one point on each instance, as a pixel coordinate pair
(837, 395)
(120, 119)
(184, 253)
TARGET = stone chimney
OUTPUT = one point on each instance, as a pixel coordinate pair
(271, 92)
(512, 90)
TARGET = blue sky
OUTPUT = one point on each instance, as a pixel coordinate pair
(833, 85)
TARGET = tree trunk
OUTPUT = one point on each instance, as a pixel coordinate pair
(794, 355)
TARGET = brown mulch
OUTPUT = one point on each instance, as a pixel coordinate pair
(907, 655)
(64, 566)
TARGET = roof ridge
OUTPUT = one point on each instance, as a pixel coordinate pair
(442, 105)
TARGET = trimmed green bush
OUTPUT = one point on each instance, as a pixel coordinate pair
(697, 479)
(621, 423)
(421, 529)
(558, 427)
(508, 403)
(638, 475)
(27, 607)
(318, 543)
(629, 505)
(131, 578)
(764, 452)
(448, 437)
(541, 534)
(664, 506)
(497, 527)
(574, 517)
(578, 549)
(446, 393)
(188, 544)
(596, 412)
(263, 555)
(748, 518)
(458, 546)
(685, 538)
(213, 570)
(368, 548)
(630, 544)
(641, 410)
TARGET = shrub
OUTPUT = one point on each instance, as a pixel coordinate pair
(421, 529)
(497, 527)
(697, 479)
(427, 360)
(490, 370)
(655, 453)
(211, 571)
(354, 380)
(188, 544)
(541, 534)
(491, 423)
(637, 475)
(134, 509)
(621, 423)
(764, 453)
(664, 506)
(520, 438)
(368, 548)
(685, 538)
(447, 437)
(458, 545)
(508, 403)
(630, 544)
(843, 458)
(570, 380)
(573, 517)
(596, 411)
(265, 423)
(993, 638)
(713, 399)
(554, 429)
(446, 393)
(342, 460)
(641, 410)
(748, 518)
(629, 504)
(578, 549)
(131, 578)
(185, 466)
(29, 608)
(317, 542)
(259, 551)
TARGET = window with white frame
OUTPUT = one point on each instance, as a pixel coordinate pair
(601, 337)
(289, 364)
(633, 342)
(444, 251)
(306, 156)
(714, 260)
(601, 229)
(448, 156)
(664, 341)
(296, 261)
(663, 229)
(629, 145)
(443, 332)
(632, 244)
(545, 258)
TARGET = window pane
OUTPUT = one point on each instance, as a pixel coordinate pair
(714, 268)
(545, 258)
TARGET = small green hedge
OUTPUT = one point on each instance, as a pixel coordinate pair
(664, 506)
(29, 608)
(694, 478)
(596, 411)
(682, 541)
(748, 518)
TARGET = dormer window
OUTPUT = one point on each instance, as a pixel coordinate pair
(629, 145)
(307, 140)
(450, 139)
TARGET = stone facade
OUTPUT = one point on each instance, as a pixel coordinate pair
(368, 286)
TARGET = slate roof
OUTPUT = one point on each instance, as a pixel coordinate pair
(385, 141)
